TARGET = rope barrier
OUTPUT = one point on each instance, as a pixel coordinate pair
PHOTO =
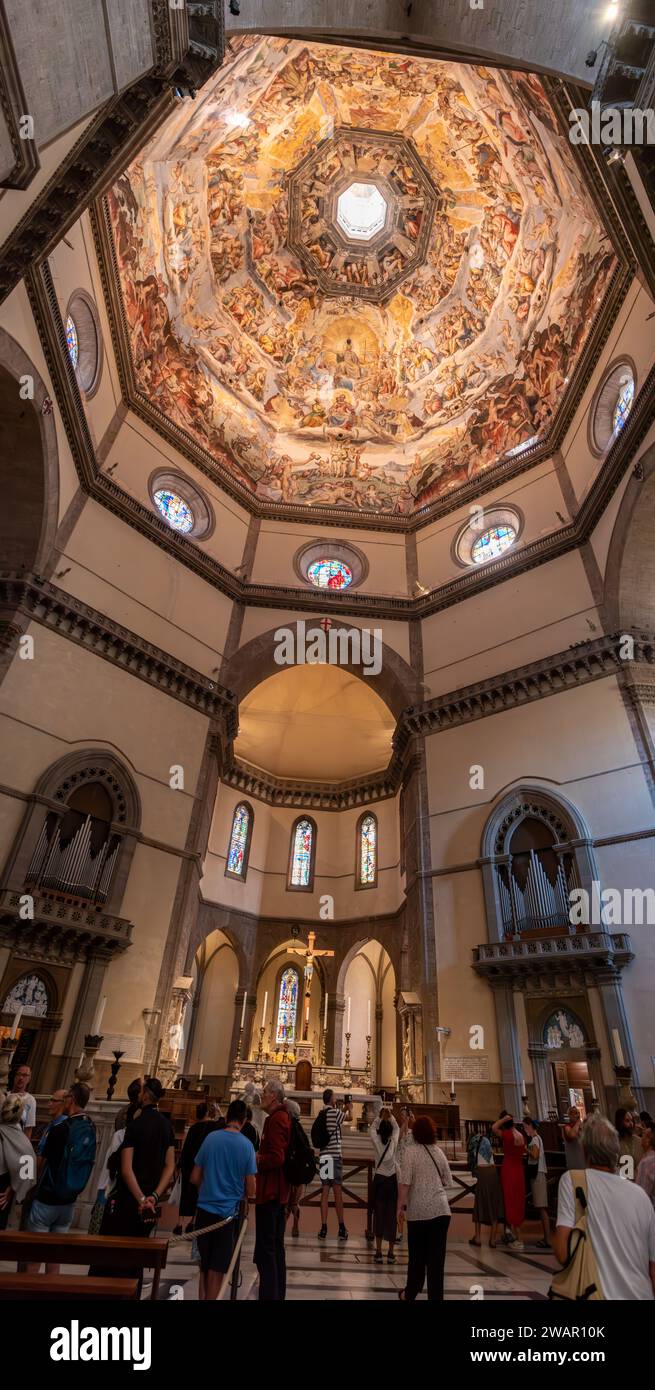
(202, 1231)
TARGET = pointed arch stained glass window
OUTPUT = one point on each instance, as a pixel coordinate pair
(236, 855)
(287, 1007)
(368, 850)
(301, 854)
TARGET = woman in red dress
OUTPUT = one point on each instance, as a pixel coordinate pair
(512, 1175)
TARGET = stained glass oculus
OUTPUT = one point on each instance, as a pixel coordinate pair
(174, 510)
(368, 832)
(287, 1007)
(329, 574)
(301, 854)
(71, 341)
(492, 543)
(236, 855)
(623, 405)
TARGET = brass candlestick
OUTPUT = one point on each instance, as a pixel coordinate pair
(236, 1070)
(346, 1069)
(259, 1070)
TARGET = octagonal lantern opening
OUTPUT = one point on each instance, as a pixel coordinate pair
(361, 211)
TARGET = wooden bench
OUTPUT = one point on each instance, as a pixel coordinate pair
(63, 1286)
(110, 1252)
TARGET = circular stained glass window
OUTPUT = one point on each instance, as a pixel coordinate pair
(492, 543)
(329, 574)
(623, 405)
(174, 510)
(71, 340)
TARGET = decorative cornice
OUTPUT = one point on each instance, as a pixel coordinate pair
(45, 603)
(13, 106)
(567, 670)
(321, 796)
(62, 929)
(588, 954)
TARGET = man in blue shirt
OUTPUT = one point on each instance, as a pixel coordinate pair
(225, 1171)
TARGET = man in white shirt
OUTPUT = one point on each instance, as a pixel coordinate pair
(620, 1218)
(21, 1082)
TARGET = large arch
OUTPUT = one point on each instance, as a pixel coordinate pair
(396, 683)
(30, 469)
(630, 571)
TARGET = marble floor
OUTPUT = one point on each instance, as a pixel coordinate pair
(333, 1270)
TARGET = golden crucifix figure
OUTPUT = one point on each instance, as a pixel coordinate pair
(310, 955)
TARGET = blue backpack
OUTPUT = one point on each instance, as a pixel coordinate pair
(77, 1160)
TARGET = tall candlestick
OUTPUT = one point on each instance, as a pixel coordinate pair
(325, 1013)
(368, 1015)
(618, 1050)
(397, 1083)
(348, 1016)
(17, 1019)
(593, 1091)
(523, 1090)
(243, 1011)
(99, 1016)
(263, 1022)
(201, 1070)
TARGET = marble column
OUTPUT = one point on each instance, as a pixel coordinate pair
(618, 1028)
(508, 1047)
(84, 1012)
(544, 1100)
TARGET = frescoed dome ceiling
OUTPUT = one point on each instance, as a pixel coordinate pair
(357, 279)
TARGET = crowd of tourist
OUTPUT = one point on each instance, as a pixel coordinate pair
(259, 1153)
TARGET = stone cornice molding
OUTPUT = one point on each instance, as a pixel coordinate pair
(567, 670)
(63, 929)
(45, 603)
(590, 954)
(326, 796)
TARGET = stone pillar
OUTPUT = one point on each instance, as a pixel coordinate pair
(379, 1020)
(334, 1049)
(84, 1012)
(596, 1075)
(618, 1028)
(542, 1089)
(508, 1047)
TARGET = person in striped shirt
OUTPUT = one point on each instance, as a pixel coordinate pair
(330, 1162)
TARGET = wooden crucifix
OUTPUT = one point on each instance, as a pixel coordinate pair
(310, 956)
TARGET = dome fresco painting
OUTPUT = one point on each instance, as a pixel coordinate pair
(379, 365)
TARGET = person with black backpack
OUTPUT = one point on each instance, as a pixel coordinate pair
(68, 1156)
(299, 1165)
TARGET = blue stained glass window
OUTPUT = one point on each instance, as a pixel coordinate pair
(329, 574)
(287, 1007)
(623, 405)
(368, 835)
(174, 510)
(236, 855)
(492, 543)
(71, 341)
(301, 856)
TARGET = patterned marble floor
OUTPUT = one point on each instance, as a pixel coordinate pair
(332, 1270)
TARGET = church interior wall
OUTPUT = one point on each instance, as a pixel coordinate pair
(530, 616)
(212, 1035)
(74, 266)
(536, 493)
(14, 203)
(632, 336)
(260, 620)
(278, 544)
(133, 581)
(265, 891)
(17, 319)
(465, 1000)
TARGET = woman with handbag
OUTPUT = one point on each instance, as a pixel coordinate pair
(536, 1173)
(385, 1133)
(422, 1201)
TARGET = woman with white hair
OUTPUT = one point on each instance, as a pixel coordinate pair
(296, 1193)
(620, 1218)
(15, 1147)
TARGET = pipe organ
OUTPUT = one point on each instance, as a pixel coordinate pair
(76, 853)
(534, 888)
